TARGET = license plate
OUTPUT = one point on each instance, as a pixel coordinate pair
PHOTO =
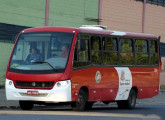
(30, 92)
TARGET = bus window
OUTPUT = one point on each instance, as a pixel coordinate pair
(110, 55)
(141, 46)
(153, 46)
(96, 50)
(48, 52)
(126, 52)
(153, 52)
(81, 54)
(142, 56)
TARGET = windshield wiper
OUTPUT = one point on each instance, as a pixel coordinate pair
(41, 62)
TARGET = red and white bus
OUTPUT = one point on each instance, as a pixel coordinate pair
(81, 66)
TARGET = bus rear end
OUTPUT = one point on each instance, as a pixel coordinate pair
(39, 69)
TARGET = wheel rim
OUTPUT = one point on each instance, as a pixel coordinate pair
(81, 100)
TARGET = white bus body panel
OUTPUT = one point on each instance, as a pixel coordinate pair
(56, 94)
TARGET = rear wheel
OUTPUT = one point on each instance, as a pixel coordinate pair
(130, 103)
(81, 103)
(89, 105)
(26, 105)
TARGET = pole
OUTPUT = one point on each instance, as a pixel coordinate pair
(47, 13)
(143, 15)
(99, 12)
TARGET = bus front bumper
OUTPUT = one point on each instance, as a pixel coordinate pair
(61, 92)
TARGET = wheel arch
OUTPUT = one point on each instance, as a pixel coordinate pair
(85, 89)
(135, 88)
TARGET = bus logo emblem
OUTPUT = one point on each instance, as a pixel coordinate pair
(98, 77)
(122, 75)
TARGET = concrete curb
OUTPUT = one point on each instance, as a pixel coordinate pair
(162, 90)
(9, 107)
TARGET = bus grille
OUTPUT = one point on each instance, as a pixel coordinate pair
(34, 85)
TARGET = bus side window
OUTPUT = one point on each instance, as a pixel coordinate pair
(96, 50)
(142, 56)
(126, 52)
(153, 52)
(81, 54)
(110, 53)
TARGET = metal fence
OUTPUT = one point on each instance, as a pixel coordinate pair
(155, 2)
(8, 32)
(162, 49)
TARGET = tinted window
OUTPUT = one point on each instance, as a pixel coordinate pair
(142, 53)
(126, 54)
(109, 43)
(81, 54)
(110, 54)
(142, 59)
(141, 46)
(153, 52)
(95, 43)
(126, 45)
(96, 50)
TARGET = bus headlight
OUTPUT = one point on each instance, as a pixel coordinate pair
(9, 82)
(63, 83)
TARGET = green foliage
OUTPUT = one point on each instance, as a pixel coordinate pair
(126, 59)
(110, 58)
(108, 43)
(142, 59)
(153, 46)
(95, 43)
(126, 47)
(153, 59)
(96, 58)
(140, 45)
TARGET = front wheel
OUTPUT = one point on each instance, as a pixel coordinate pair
(130, 102)
(80, 104)
(26, 105)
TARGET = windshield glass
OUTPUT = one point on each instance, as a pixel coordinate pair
(40, 52)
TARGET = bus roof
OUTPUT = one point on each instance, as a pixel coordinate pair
(90, 30)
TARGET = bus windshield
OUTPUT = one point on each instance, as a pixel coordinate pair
(41, 52)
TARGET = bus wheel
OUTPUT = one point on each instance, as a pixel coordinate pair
(80, 104)
(26, 105)
(130, 103)
(89, 105)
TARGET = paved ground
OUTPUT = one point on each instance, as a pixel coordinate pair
(157, 100)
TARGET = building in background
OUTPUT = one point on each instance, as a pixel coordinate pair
(142, 16)
(20, 14)
(16, 15)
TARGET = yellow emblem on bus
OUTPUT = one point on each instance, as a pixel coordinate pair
(98, 77)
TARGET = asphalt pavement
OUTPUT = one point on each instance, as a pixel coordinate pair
(157, 100)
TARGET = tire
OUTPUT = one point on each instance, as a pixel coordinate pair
(89, 105)
(81, 103)
(26, 105)
(130, 102)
